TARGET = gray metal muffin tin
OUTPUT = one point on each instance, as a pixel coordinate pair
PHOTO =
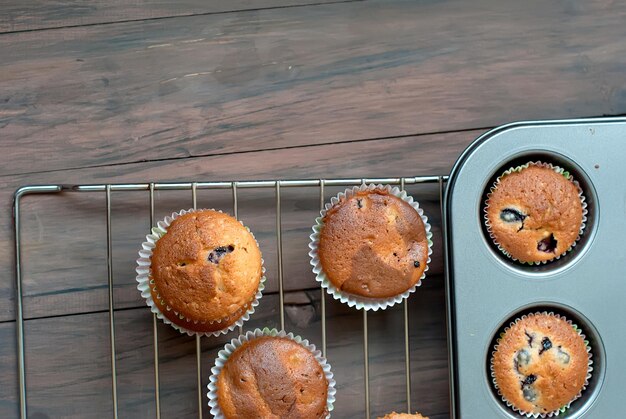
(485, 290)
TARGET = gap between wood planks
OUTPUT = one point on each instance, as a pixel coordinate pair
(194, 156)
(140, 307)
(363, 140)
(53, 316)
(147, 19)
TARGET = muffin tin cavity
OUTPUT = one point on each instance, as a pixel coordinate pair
(517, 217)
(539, 346)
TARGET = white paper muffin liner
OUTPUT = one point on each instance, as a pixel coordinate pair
(144, 281)
(353, 300)
(563, 409)
(229, 348)
(558, 170)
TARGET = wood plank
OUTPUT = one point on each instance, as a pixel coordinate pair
(275, 78)
(40, 14)
(74, 380)
(64, 236)
(9, 405)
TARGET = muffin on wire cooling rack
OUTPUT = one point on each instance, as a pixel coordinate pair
(271, 374)
(201, 271)
(371, 246)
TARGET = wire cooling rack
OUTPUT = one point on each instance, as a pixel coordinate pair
(277, 185)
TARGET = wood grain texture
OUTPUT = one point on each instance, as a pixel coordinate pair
(265, 79)
(72, 277)
(333, 90)
(9, 405)
(40, 14)
(76, 382)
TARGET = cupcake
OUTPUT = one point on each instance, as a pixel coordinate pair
(270, 374)
(394, 415)
(372, 244)
(541, 364)
(204, 271)
(535, 213)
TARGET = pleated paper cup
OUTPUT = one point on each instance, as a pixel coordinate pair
(352, 300)
(562, 409)
(144, 282)
(231, 347)
(557, 169)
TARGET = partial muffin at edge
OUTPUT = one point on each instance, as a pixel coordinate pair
(394, 415)
(272, 377)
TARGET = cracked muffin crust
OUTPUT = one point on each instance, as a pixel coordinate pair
(373, 244)
(205, 271)
(394, 415)
(272, 377)
(540, 363)
(535, 214)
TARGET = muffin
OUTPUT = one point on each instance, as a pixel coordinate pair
(205, 271)
(535, 213)
(373, 244)
(540, 364)
(272, 377)
(394, 415)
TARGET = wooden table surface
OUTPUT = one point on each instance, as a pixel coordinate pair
(115, 91)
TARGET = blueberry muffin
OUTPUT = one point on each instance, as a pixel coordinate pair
(205, 271)
(534, 214)
(373, 244)
(540, 364)
(272, 377)
(394, 415)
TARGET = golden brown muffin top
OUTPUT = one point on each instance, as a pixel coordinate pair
(535, 214)
(373, 244)
(540, 364)
(271, 378)
(394, 415)
(206, 267)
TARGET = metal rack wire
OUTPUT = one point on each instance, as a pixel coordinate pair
(193, 187)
